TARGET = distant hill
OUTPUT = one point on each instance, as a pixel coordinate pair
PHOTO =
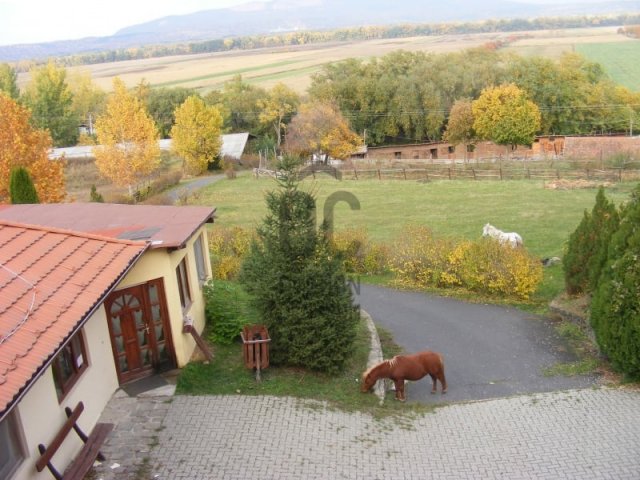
(291, 15)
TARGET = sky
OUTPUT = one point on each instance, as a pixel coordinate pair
(34, 21)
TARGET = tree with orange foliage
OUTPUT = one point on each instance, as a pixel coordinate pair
(128, 149)
(320, 129)
(21, 145)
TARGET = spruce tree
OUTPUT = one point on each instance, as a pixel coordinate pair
(604, 222)
(576, 276)
(615, 307)
(21, 188)
(587, 249)
(299, 283)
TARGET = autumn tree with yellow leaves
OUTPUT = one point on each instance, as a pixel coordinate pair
(21, 145)
(128, 149)
(505, 115)
(196, 135)
(320, 129)
(277, 108)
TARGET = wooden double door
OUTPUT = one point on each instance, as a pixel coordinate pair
(139, 329)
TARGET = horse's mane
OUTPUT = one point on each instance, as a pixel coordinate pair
(385, 363)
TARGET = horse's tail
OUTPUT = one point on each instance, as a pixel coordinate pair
(441, 376)
(441, 363)
(519, 240)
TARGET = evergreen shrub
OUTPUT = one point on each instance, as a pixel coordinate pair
(298, 282)
(227, 308)
(21, 188)
(615, 306)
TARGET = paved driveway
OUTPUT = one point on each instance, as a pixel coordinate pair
(586, 433)
(489, 351)
(580, 434)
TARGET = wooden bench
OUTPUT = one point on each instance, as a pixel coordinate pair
(86, 457)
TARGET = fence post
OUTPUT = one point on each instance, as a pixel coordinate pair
(500, 172)
(558, 174)
(426, 172)
(404, 172)
(313, 172)
(449, 171)
(620, 175)
(355, 172)
(528, 174)
(474, 173)
(379, 177)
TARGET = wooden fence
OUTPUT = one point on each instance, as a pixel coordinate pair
(471, 173)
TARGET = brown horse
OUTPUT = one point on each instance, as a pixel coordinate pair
(407, 367)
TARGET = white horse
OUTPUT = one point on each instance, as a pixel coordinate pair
(512, 238)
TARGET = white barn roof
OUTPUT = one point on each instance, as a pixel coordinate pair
(233, 145)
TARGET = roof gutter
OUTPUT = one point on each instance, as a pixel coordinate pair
(210, 219)
(36, 376)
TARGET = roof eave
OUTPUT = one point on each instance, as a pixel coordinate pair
(45, 365)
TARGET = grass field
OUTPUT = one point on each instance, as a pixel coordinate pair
(295, 65)
(457, 209)
(620, 60)
(543, 217)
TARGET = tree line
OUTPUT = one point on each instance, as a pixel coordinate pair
(344, 35)
(402, 97)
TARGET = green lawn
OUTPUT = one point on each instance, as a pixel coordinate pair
(459, 208)
(620, 60)
(545, 218)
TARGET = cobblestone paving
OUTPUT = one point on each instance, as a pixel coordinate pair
(581, 434)
(138, 422)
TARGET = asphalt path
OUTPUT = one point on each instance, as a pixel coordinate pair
(489, 351)
(192, 186)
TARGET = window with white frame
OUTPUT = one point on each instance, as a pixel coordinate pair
(198, 253)
(183, 284)
(12, 451)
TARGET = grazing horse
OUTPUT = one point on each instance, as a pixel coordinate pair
(407, 367)
(512, 238)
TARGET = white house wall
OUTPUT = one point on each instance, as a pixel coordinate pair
(42, 415)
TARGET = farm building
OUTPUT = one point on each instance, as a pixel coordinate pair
(579, 148)
(94, 296)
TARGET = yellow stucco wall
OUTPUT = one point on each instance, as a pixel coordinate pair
(42, 415)
(160, 263)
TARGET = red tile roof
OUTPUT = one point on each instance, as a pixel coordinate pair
(51, 281)
(163, 226)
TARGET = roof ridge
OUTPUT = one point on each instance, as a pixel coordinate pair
(73, 233)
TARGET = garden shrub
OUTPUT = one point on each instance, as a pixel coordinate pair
(227, 248)
(615, 307)
(419, 259)
(498, 269)
(483, 266)
(227, 308)
(576, 277)
(359, 253)
(587, 248)
(605, 220)
(21, 188)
